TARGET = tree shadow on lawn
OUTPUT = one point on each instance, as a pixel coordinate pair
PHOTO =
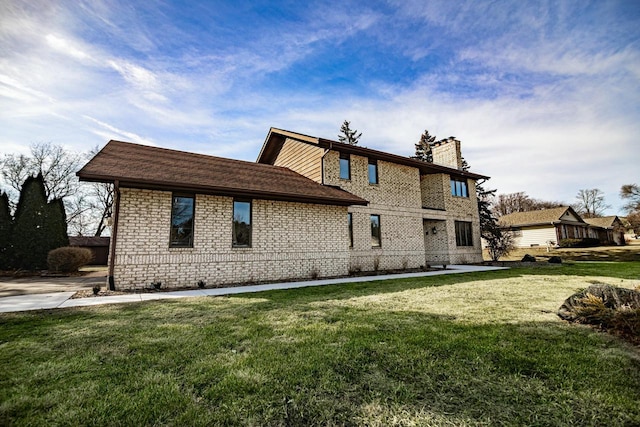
(200, 363)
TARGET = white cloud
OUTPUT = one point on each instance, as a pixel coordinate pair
(66, 47)
(115, 132)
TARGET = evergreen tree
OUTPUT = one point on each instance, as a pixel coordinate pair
(6, 223)
(38, 226)
(423, 147)
(57, 224)
(347, 135)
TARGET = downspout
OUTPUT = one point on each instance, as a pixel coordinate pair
(114, 234)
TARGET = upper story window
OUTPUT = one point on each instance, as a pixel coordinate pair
(464, 233)
(376, 240)
(182, 213)
(459, 187)
(350, 224)
(345, 166)
(373, 171)
(241, 224)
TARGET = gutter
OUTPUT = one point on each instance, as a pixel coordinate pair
(114, 235)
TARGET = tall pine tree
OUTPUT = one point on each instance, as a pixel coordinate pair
(6, 224)
(38, 227)
(423, 147)
(347, 135)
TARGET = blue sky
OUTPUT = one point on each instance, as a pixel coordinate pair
(545, 96)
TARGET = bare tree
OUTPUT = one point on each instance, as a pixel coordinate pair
(86, 205)
(499, 243)
(506, 204)
(590, 203)
(57, 166)
(631, 192)
(633, 219)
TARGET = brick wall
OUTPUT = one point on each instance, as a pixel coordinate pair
(433, 188)
(289, 240)
(463, 209)
(398, 201)
(399, 198)
(448, 152)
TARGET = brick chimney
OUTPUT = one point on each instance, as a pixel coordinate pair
(447, 153)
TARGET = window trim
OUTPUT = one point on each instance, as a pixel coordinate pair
(464, 239)
(347, 157)
(373, 162)
(174, 196)
(459, 185)
(233, 231)
(379, 245)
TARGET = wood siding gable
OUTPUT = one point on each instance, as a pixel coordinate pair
(302, 158)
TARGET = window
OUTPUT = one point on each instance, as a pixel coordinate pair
(375, 231)
(459, 187)
(182, 213)
(241, 224)
(464, 234)
(345, 166)
(373, 171)
(350, 225)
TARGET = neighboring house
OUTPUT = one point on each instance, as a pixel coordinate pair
(99, 246)
(608, 229)
(547, 227)
(309, 207)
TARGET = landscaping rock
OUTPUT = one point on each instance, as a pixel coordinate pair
(528, 258)
(555, 260)
(611, 296)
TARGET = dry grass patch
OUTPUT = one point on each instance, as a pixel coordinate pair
(525, 298)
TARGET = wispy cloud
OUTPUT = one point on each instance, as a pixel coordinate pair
(116, 133)
(534, 90)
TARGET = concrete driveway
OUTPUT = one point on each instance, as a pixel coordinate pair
(10, 286)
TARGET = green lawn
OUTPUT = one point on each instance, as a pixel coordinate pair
(473, 349)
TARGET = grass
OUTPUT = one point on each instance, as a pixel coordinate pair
(473, 349)
(629, 252)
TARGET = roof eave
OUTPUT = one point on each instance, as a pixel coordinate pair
(224, 191)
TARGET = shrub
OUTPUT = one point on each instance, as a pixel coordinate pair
(68, 259)
(579, 243)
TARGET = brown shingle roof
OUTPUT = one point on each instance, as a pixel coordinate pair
(544, 216)
(141, 166)
(604, 222)
(276, 138)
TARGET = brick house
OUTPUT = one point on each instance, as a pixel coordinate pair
(309, 207)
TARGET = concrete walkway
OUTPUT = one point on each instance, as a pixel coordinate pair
(63, 299)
